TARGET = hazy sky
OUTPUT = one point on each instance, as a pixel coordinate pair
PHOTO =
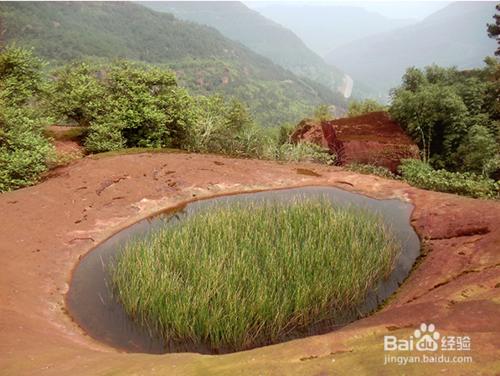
(392, 9)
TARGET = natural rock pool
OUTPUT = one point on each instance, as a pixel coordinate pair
(91, 304)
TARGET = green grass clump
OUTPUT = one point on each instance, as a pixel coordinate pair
(244, 275)
(371, 170)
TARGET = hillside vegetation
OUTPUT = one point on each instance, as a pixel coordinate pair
(120, 105)
(453, 115)
(204, 60)
(262, 35)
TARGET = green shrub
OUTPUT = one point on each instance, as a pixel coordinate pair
(252, 142)
(371, 170)
(77, 94)
(322, 113)
(21, 77)
(123, 104)
(243, 275)
(104, 135)
(25, 152)
(422, 175)
(300, 152)
(357, 108)
(221, 126)
(284, 133)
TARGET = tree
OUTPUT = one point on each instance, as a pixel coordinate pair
(452, 115)
(494, 29)
(413, 79)
(477, 150)
(434, 116)
(492, 95)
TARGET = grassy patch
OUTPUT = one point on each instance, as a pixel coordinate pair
(250, 274)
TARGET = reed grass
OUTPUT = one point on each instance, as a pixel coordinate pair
(248, 274)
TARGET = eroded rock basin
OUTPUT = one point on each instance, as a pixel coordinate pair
(90, 300)
(46, 229)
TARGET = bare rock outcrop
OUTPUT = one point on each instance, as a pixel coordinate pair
(372, 138)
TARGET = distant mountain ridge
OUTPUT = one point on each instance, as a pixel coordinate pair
(324, 27)
(453, 36)
(262, 35)
(203, 58)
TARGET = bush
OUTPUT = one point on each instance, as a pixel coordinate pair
(252, 142)
(422, 175)
(130, 105)
(371, 170)
(220, 126)
(24, 150)
(224, 281)
(77, 94)
(21, 78)
(322, 113)
(357, 108)
(300, 152)
(123, 104)
(284, 133)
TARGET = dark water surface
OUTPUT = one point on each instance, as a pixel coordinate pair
(91, 304)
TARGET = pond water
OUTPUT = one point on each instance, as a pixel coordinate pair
(90, 300)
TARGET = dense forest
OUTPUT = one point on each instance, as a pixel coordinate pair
(262, 35)
(203, 59)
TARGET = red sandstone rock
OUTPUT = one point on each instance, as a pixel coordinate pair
(369, 139)
(47, 228)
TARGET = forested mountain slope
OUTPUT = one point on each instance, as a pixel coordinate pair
(204, 60)
(262, 35)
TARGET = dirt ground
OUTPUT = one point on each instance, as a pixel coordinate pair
(45, 229)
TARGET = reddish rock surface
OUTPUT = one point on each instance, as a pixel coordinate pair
(46, 229)
(309, 130)
(369, 139)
